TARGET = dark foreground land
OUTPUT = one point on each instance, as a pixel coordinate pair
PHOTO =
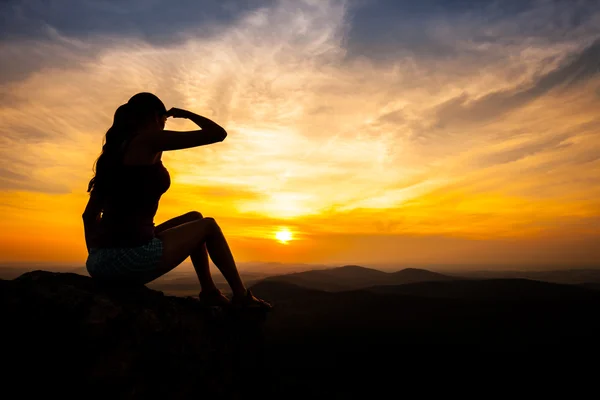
(65, 334)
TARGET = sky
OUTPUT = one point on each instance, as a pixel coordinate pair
(391, 131)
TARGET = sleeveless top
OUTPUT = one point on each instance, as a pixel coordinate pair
(131, 204)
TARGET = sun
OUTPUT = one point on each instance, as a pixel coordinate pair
(283, 236)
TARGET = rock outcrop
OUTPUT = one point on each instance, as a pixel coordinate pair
(68, 334)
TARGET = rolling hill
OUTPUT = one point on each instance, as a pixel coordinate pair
(513, 289)
(352, 277)
(568, 276)
(478, 315)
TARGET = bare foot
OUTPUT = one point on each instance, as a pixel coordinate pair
(213, 298)
(249, 300)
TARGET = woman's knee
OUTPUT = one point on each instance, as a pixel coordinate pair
(211, 224)
(193, 215)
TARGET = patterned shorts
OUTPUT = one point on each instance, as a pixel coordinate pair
(127, 264)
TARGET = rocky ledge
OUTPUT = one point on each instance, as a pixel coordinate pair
(68, 334)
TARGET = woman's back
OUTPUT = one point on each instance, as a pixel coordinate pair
(130, 203)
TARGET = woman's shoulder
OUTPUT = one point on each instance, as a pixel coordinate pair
(137, 155)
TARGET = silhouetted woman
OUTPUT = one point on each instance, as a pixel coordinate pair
(122, 241)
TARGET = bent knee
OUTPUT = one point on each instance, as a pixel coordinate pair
(211, 223)
(194, 215)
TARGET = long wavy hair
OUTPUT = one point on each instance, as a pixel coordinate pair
(139, 111)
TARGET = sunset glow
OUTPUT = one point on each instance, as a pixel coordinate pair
(440, 135)
(283, 236)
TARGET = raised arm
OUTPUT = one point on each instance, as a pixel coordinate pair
(162, 140)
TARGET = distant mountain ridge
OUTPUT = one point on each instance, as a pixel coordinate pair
(352, 277)
(512, 289)
(182, 282)
(568, 276)
(489, 314)
(473, 289)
